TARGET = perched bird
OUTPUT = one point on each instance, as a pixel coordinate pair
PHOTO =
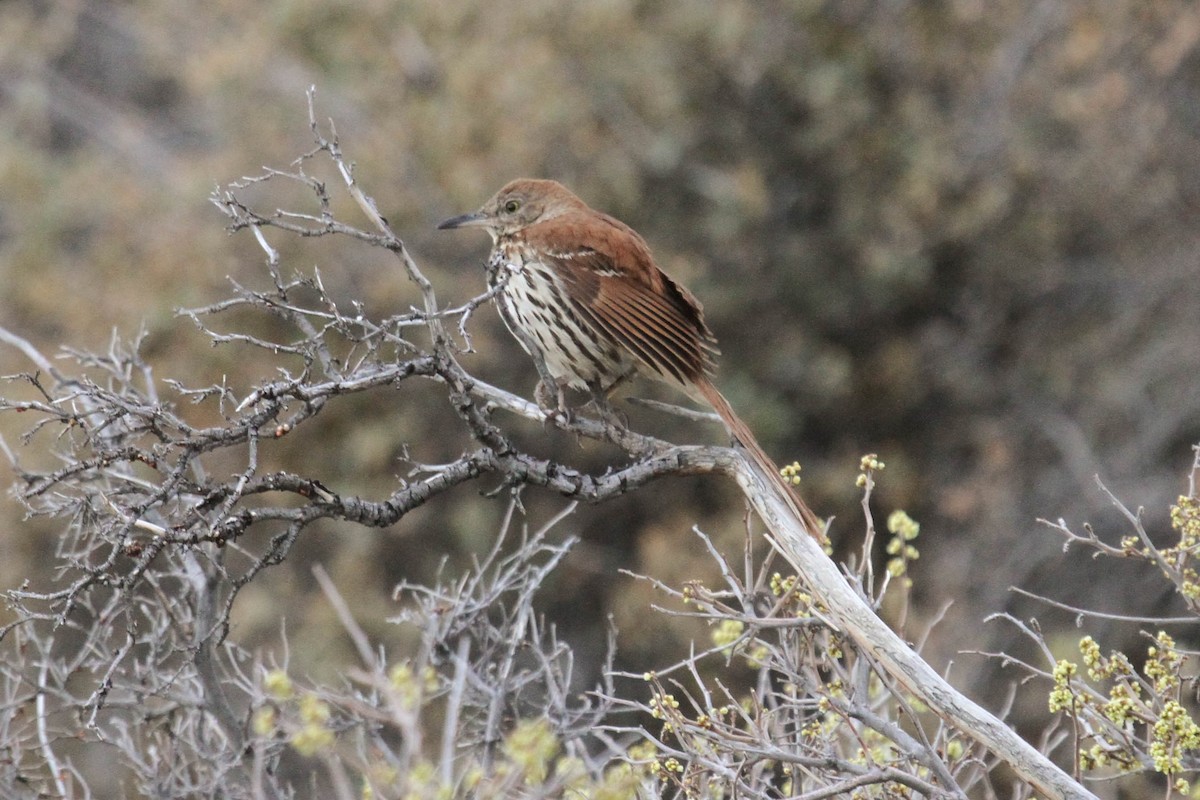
(581, 292)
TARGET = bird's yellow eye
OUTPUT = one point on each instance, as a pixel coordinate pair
(512, 206)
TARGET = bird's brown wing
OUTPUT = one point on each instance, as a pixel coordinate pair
(617, 288)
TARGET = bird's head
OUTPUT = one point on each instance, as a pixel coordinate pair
(521, 203)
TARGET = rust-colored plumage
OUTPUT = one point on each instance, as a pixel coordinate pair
(583, 296)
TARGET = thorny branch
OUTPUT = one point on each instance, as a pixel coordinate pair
(170, 507)
(134, 467)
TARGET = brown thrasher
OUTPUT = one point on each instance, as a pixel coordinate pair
(582, 294)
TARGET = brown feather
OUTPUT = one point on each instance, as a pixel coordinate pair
(741, 433)
(617, 284)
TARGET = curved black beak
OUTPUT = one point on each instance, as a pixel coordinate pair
(476, 219)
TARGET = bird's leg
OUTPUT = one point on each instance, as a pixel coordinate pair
(602, 402)
(551, 399)
(548, 393)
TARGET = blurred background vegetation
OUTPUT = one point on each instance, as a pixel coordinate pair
(955, 233)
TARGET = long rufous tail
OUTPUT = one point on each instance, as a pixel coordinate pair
(742, 435)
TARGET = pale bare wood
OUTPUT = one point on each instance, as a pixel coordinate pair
(851, 615)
